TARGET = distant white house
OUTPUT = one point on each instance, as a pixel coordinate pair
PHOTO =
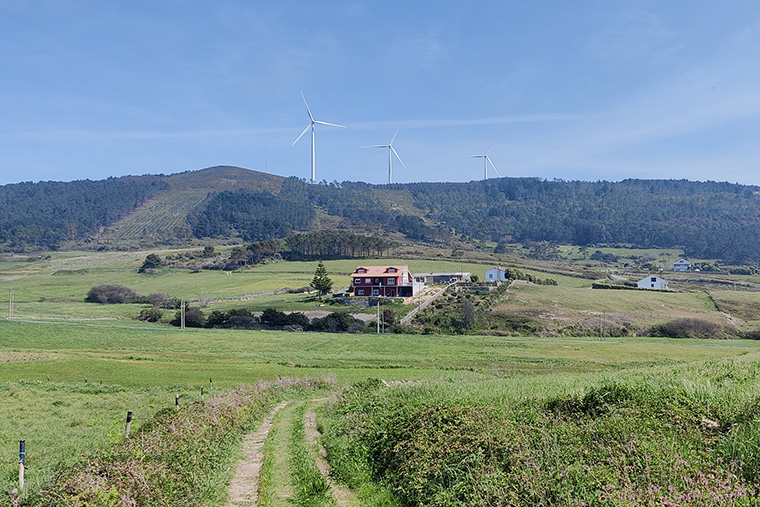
(653, 282)
(681, 265)
(497, 274)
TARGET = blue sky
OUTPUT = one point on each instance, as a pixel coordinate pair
(583, 90)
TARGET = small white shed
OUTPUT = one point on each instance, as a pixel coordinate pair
(653, 282)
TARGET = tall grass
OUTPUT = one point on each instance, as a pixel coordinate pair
(683, 435)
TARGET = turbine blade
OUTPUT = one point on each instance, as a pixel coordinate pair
(494, 167)
(302, 133)
(398, 157)
(307, 107)
(377, 146)
(489, 149)
(476, 156)
(330, 124)
(394, 138)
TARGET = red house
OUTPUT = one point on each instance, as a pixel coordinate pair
(393, 281)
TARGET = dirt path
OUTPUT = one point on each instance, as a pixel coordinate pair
(244, 488)
(342, 496)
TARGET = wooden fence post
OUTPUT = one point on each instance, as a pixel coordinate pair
(129, 423)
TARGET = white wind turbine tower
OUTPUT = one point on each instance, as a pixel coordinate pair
(486, 161)
(391, 151)
(311, 124)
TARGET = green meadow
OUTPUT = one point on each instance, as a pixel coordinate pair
(70, 370)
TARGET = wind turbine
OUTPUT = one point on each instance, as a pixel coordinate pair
(486, 161)
(391, 151)
(311, 124)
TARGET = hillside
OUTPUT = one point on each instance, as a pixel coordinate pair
(704, 220)
(163, 217)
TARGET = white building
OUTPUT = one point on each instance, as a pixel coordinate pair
(681, 265)
(497, 274)
(653, 282)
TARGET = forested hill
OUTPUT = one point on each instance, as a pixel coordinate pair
(708, 220)
(44, 215)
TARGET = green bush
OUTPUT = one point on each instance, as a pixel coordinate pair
(689, 328)
(112, 294)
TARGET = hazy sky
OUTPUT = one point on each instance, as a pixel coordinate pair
(574, 90)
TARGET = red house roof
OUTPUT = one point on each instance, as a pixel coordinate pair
(377, 271)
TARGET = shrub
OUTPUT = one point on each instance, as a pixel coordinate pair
(152, 261)
(112, 294)
(162, 300)
(151, 314)
(275, 318)
(689, 328)
(193, 317)
(242, 322)
(337, 323)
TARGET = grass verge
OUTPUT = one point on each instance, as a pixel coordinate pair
(677, 436)
(310, 489)
(182, 457)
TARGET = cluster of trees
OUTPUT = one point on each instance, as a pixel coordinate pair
(270, 318)
(45, 214)
(252, 215)
(331, 244)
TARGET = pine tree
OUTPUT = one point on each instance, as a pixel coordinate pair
(321, 282)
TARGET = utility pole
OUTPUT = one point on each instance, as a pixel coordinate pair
(182, 314)
(10, 307)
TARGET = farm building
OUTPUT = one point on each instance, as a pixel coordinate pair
(435, 278)
(497, 274)
(653, 282)
(392, 281)
(681, 265)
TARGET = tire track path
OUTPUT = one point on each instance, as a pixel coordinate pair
(342, 496)
(244, 487)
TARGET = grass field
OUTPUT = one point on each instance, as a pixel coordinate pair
(142, 366)
(142, 369)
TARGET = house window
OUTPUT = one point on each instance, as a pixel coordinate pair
(653, 286)
(654, 279)
(361, 270)
(375, 292)
(391, 270)
(391, 281)
(360, 292)
(368, 280)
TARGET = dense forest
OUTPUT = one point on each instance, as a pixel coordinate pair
(706, 219)
(43, 215)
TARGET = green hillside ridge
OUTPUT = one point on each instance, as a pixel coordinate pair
(706, 220)
(163, 218)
